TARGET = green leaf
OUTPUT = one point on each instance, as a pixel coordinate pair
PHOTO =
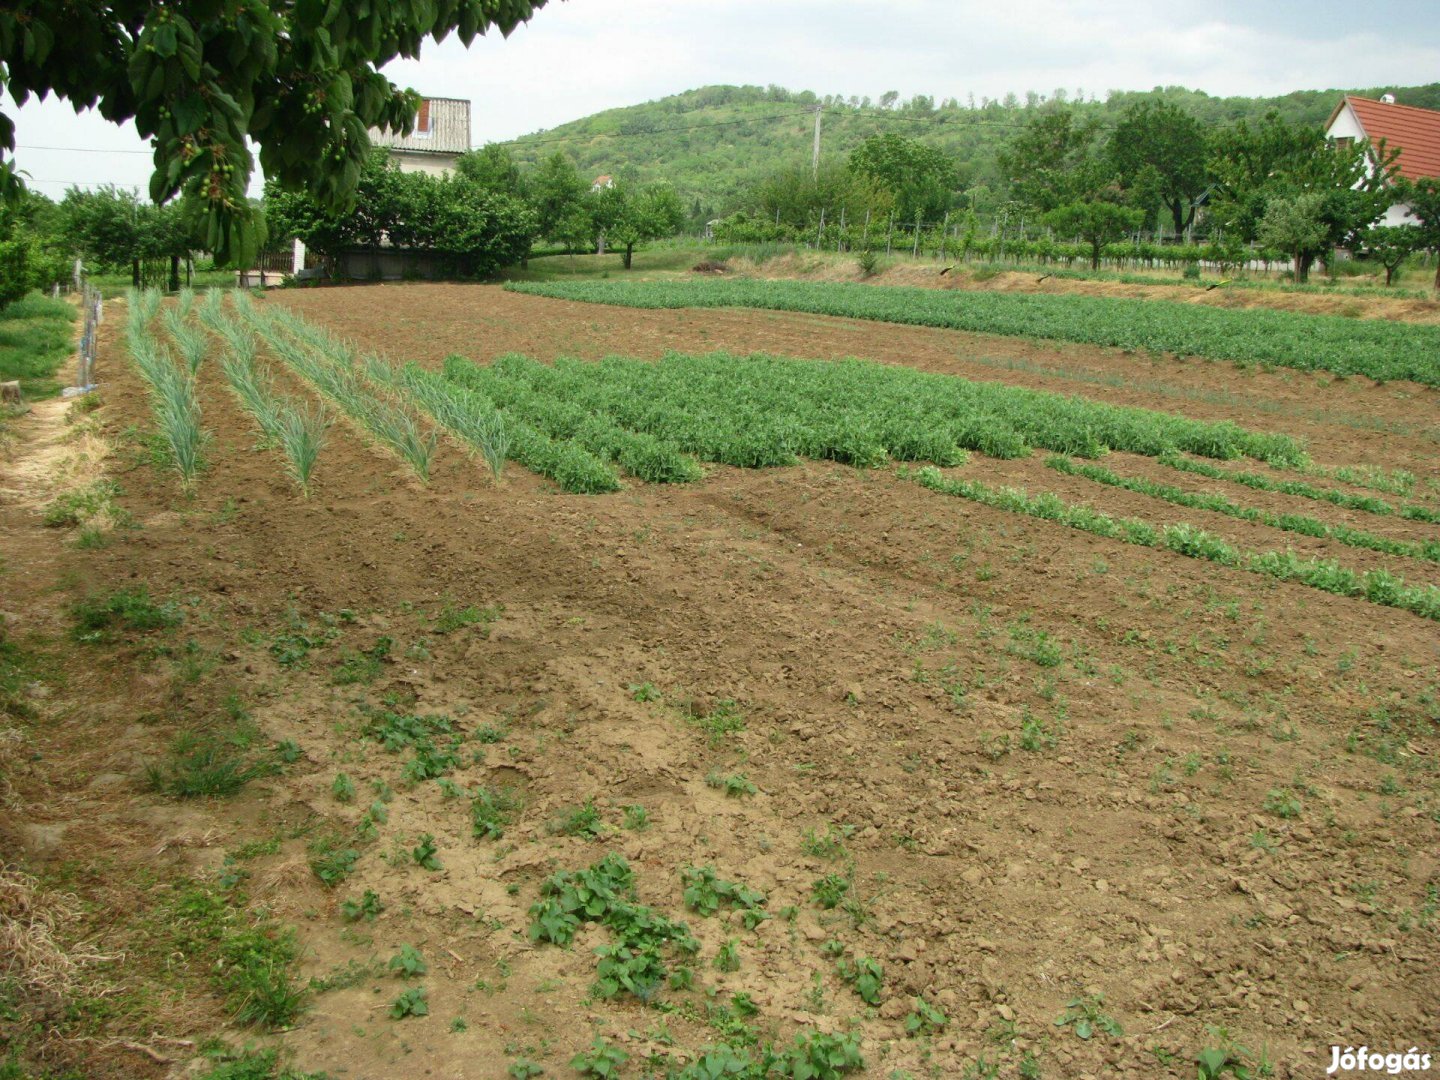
(189, 113)
(163, 40)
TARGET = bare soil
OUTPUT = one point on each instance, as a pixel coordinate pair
(889, 649)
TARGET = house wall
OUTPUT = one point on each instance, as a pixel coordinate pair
(1347, 126)
(436, 164)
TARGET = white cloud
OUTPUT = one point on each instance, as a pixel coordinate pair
(582, 56)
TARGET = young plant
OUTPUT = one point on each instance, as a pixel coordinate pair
(601, 1060)
(368, 908)
(424, 853)
(733, 784)
(925, 1019)
(727, 957)
(583, 821)
(1083, 1014)
(865, 975)
(408, 962)
(829, 890)
(411, 1002)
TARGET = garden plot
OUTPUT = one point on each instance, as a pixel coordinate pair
(772, 758)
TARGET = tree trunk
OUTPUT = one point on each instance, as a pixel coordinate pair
(174, 273)
(1437, 271)
(1094, 255)
(629, 251)
(135, 272)
(1177, 214)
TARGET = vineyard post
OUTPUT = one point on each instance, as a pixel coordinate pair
(944, 233)
(841, 238)
(865, 240)
(889, 232)
(820, 236)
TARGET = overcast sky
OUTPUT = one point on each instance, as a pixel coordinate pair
(581, 56)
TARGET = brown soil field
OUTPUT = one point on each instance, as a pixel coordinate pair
(1055, 773)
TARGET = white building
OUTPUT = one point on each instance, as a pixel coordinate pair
(1414, 132)
(441, 135)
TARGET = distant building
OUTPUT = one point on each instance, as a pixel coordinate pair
(606, 181)
(1414, 132)
(441, 135)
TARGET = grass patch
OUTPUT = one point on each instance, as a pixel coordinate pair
(36, 335)
(213, 763)
(248, 955)
(129, 611)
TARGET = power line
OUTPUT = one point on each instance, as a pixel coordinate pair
(82, 150)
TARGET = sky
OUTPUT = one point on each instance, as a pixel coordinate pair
(578, 57)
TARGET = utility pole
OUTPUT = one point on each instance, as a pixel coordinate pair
(815, 157)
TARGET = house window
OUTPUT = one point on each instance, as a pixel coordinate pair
(1344, 142)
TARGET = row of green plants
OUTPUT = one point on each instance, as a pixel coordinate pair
(330, 366)
(1296, 523)
(651, 418)
(537, 395)
(469, 414)
(296, 428)
(1377, 586)
(1260, 482)
(171, 385)
(1372, 347)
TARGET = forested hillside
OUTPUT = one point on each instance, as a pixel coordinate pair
(716, 142)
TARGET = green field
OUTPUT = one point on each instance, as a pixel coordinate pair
(36, 335)
(1380, 350)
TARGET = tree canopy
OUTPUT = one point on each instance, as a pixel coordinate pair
(1160, 153)
(474, 228)
(298, 77)
(918, 178)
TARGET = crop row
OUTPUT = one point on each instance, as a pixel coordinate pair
(1382, 350)
(1376, 586)
(1260, 482)
(297, 429)
(329, 365)
(756, 411)
(172, 388)
(1296, 523)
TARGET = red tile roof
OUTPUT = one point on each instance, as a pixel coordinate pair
(1414, 132)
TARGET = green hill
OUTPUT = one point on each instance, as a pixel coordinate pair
(714, 142)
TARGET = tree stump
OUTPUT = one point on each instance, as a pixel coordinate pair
(10, 393)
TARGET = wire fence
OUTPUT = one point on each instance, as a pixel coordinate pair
(92, 315)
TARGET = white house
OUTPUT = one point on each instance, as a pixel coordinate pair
(1414, 132)
(441, 135)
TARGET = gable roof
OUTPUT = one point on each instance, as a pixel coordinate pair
(1414, 132)
(442, 127)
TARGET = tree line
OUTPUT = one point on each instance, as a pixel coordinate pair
(485, 214)
(1273, 183)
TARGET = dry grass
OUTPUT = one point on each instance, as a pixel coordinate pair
(29, 920)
